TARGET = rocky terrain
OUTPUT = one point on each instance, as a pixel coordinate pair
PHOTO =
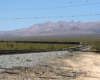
(58, 28)
(69, 66)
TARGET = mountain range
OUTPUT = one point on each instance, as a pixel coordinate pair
(58, 28)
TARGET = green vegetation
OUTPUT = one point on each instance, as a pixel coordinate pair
(85, 39)
(70, 51)
(32, 46)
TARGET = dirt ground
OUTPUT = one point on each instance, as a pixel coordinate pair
(70, 66)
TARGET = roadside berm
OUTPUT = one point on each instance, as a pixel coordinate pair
(70, 66)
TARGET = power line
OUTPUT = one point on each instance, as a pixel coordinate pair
(51, 17)
(49, 7)
(82, 1)
(66, 2)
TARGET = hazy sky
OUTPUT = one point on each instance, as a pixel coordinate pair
(17, 14)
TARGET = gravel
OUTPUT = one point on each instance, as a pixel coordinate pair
(27, 60)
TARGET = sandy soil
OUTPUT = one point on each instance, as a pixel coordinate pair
(72, 66)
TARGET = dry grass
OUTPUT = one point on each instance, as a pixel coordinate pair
(91, 50)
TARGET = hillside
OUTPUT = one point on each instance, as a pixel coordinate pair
(58, 28)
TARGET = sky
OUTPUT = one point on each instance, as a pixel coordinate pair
(18, 14)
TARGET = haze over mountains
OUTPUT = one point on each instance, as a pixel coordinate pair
(58, 28)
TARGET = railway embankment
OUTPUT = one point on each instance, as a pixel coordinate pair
(77, 48)
(55, 65)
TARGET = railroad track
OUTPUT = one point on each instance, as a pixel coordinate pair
(77, 48)
(81, 48)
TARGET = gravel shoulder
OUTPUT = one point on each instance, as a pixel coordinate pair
(63, 66)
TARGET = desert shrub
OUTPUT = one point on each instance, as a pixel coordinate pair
(12, 45)
(70, 51)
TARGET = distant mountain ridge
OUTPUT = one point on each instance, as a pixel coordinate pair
(58, 28)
